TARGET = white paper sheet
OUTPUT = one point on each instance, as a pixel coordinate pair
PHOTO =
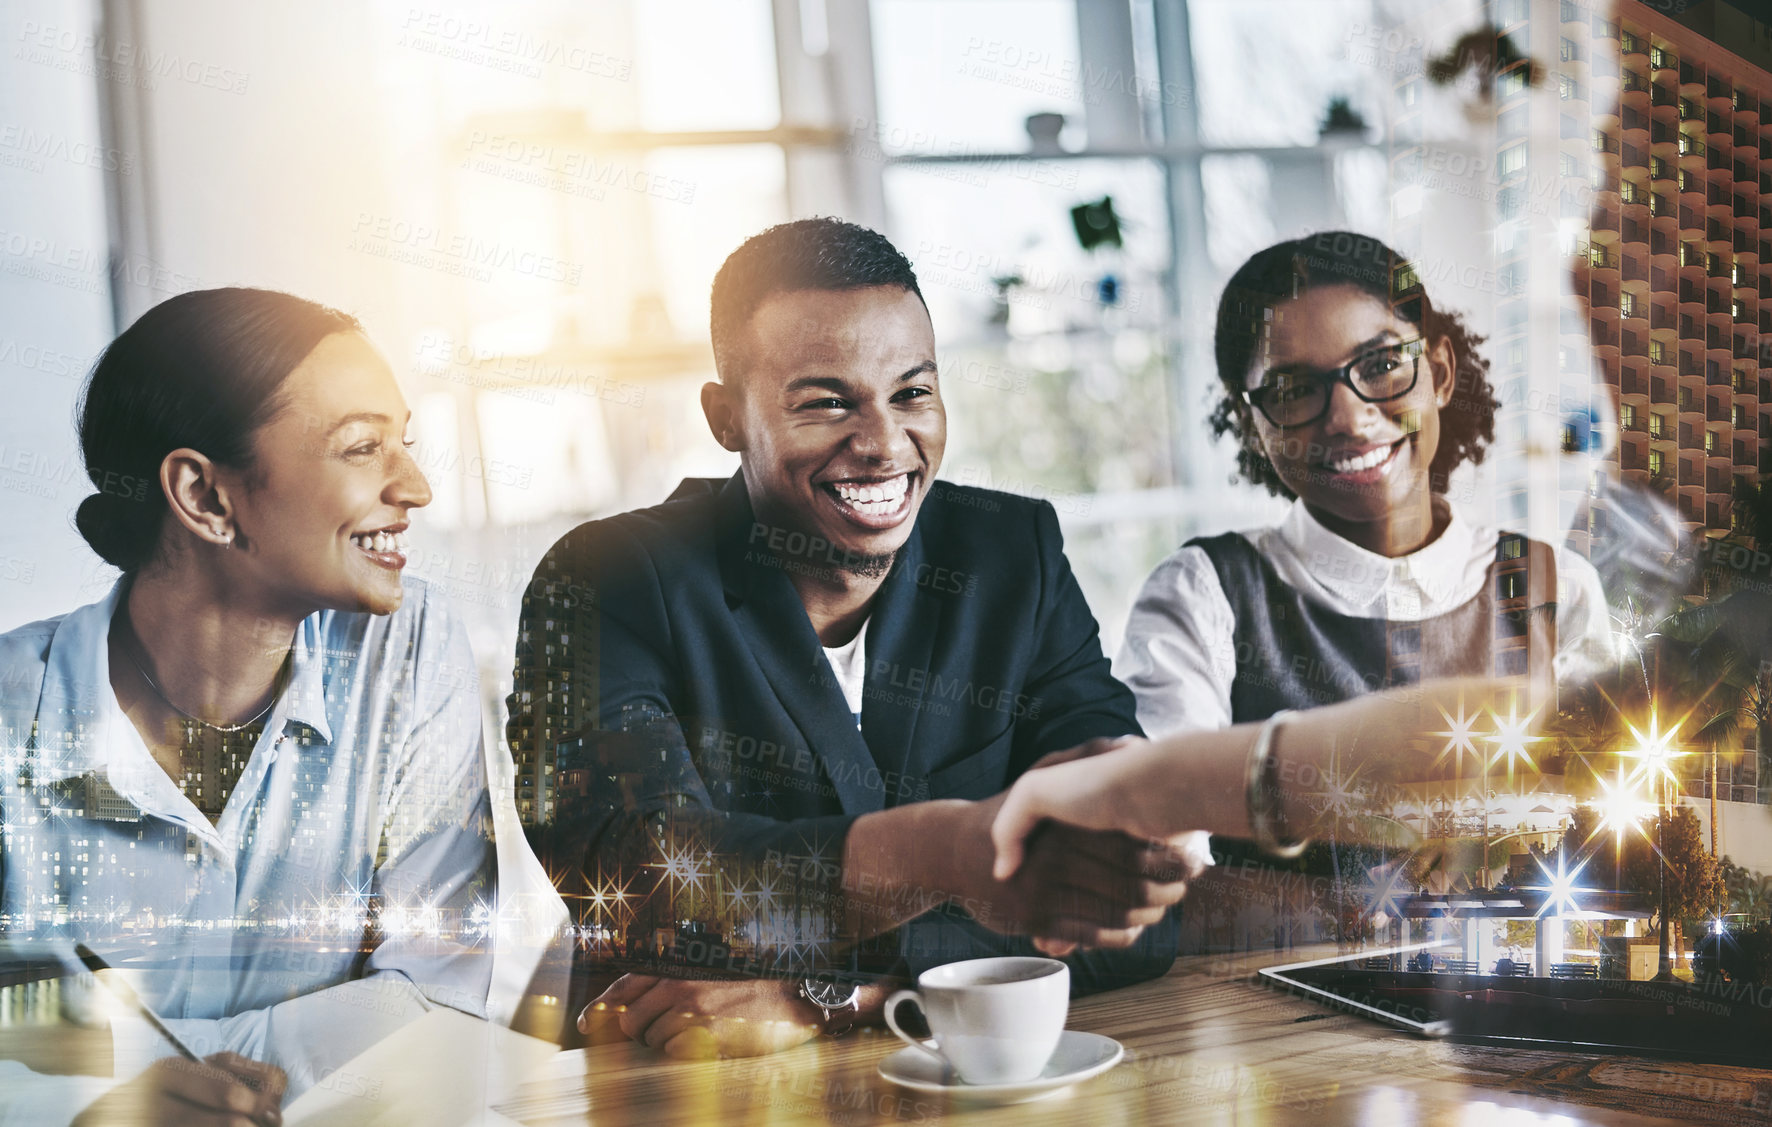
(445, 1069)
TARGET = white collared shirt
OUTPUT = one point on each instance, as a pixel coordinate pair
(1179, 656)
(347, 885)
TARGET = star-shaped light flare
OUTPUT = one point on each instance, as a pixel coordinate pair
(1621, 807)
(1386, 890)
(1654, 751)
(683, 866)
(1513, 739)
(1461, 736)
(606, 895)
(1341, 793)
(1563, 888)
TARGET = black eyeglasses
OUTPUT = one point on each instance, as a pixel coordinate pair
(1292, 399)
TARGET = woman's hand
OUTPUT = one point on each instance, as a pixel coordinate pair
(1103, 791)
(223, 1090)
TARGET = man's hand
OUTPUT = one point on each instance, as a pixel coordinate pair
(1078, 887)
(704, 1018)
(1183, 858)
(224, 1090)
(1112, 795)
(1075, 888)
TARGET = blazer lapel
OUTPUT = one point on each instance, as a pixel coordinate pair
(769, 613)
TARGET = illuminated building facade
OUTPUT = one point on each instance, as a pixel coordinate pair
(1639, 146)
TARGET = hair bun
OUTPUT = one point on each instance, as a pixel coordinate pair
(115, 526)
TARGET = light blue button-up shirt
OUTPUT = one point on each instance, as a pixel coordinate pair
(346, 886)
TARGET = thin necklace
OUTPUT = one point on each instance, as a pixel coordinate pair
(226, 729)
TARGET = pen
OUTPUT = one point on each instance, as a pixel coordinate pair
(127, 995)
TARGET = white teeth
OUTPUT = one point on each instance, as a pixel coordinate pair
(873, 491)
(1364, 462)
(874, 498)
(380, 541)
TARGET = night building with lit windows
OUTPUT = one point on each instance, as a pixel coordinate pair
(1638, 143)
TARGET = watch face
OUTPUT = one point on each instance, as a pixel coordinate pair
(830, 994)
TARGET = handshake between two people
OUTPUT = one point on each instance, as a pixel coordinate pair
(1076, 887)
(1094, 844)
(1278, 783)
(1067, 870)
(1090, 846)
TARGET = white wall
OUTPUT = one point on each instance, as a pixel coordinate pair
(1746, 831)
(55, 311)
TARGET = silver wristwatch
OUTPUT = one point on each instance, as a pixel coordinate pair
(838, 1005)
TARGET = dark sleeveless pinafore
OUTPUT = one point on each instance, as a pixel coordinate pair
(1294, 653)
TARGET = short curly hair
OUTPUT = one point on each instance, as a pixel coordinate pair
(1287, 270)
(821, 253)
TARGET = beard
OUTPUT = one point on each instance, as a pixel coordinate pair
(817, 558)
(874, 566)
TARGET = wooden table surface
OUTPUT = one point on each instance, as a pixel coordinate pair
(1204, 1045)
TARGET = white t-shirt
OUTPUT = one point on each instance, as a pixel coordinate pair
(849, 662)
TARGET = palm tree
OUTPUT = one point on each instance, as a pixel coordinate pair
(1718, 675)
(1750, 510)
(1750, 893)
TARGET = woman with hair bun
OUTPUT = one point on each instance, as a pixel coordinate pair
(258, 760)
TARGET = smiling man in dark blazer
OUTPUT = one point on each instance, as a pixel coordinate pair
(780, 711)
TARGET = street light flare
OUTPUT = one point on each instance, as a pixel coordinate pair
(1621, 806)
(1562, 888)
(1460, 734)
(1654, 751)
(1512, 738)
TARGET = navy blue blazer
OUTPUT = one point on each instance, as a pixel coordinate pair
(667, 675)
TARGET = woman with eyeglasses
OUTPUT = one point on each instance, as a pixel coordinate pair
(1351, 393)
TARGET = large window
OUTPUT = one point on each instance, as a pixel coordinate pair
(527, 202)
(1083, 373)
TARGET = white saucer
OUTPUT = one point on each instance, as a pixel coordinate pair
(1078, 1057)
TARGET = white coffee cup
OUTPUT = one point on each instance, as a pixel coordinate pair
(994, 1021)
